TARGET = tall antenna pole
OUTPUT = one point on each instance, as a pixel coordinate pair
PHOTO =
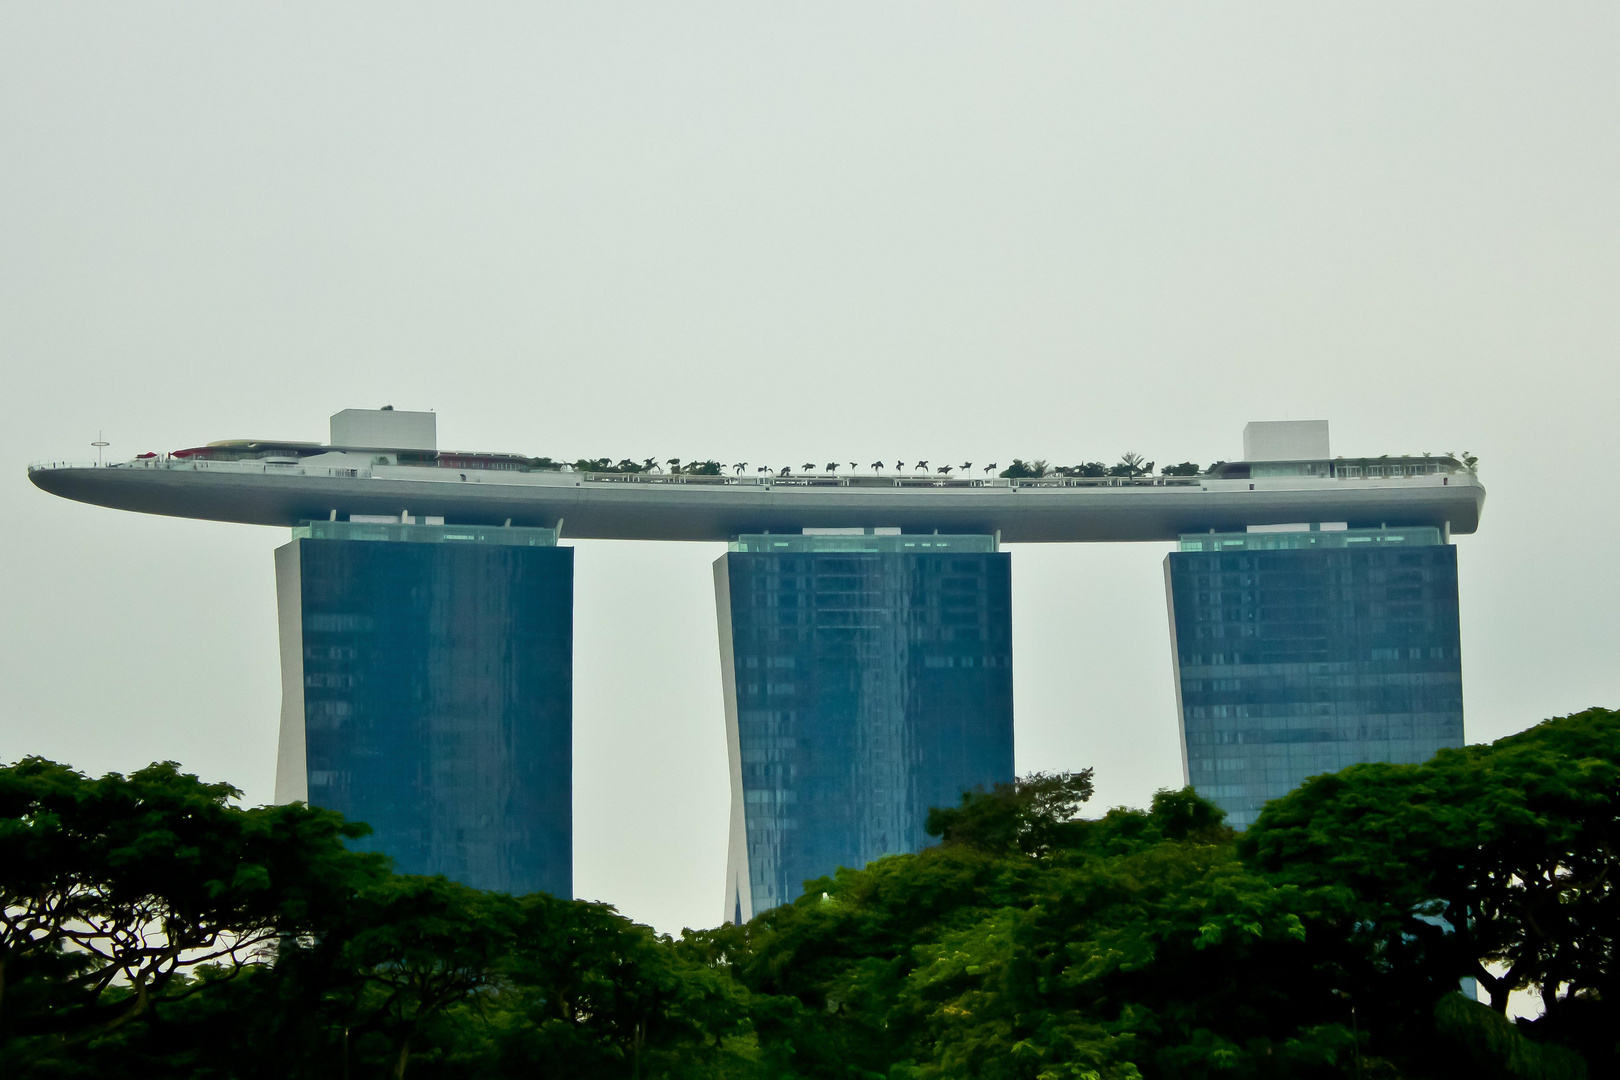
(99, 444)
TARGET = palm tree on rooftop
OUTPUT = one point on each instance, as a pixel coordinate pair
(943, 469)
(922, 465)
(877, 466)
(832, 466)
(899, 466)
(990, 467)
(966, 465)
(808, 466)
(1135, 463)
(739, 467)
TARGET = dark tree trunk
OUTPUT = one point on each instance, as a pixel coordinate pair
(404, 1057)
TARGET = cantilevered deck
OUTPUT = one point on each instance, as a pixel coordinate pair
(289, 488)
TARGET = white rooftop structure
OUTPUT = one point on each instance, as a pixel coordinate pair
(385, 427)
(1285, 440)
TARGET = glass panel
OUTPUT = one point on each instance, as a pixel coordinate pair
(1415, 536)
(869, 687)
(1300, 660)
(914, 543)
(426, 534)
(438, 691)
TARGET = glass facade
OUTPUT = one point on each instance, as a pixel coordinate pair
(1298, 653)
(428, 692)
(868, 678)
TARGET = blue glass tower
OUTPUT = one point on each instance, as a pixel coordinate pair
(427, 691)
(867, 678)
(1298, 653)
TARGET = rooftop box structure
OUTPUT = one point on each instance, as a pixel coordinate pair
(1285, 440)
(385, 429)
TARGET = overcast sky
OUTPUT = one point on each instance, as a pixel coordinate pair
(782, 233)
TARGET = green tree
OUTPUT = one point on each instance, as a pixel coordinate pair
(591, 993)
(1033, 814)
(1499, 1048)
(1469, 462)
(1493, 862)
(1025, 470)
(112, 889)
(1132, 464)
(1033, 944)
(417, 946)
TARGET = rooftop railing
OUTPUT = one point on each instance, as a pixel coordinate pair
(1307, 539)
(195, 465)
(827, 544)
(401, 532)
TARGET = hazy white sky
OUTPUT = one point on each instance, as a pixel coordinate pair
(792, 232)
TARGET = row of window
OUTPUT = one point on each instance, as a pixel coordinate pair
(875, 617)
(1210, 569)
(1357, 675)
(762, 564)
(1289, 769)
(872, 600)
(1264, 652)
(1279, 622)
(1380, 702)
(856, 642)
(1441, 731)
(1308, 594)
(1374, 471)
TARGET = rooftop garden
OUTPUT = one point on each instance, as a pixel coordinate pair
(1130, 465)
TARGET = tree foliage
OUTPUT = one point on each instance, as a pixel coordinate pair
(1496, 863)
(1024, 470)
(1029, 815)
(111, 889)
(151, 927)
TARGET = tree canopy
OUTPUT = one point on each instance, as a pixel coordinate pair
(152, 927)
(1495, 863)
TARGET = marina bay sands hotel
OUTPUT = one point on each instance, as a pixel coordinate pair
(865, 629)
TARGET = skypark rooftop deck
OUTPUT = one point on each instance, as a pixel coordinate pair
(286, 490)
(385, 465)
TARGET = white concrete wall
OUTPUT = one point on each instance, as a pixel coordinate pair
(1285, 440)
(385, 428)
(739, 887)
(292, 776)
